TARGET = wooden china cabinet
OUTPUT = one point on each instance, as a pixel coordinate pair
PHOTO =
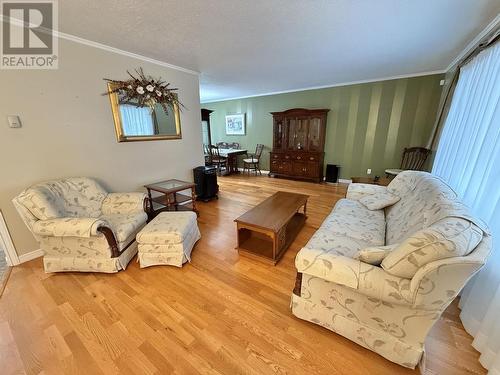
(298, 144)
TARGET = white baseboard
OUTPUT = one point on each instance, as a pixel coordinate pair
(262, 170)
(344, 181)
(339, 181)
(31, 255)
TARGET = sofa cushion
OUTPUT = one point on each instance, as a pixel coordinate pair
(333, 243)
(450, 237)
(409, 182)
(125, 225)
(379, 201)
(356, 191)
(81, 196)
(42, 203)
(349, 228)
(123, 203)
(374, 254)
(420, 193)
(352, 219)
(70, 197)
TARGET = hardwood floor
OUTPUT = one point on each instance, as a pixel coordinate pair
(221, 314)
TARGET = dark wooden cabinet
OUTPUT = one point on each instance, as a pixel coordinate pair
(205, 126)
(298, 143)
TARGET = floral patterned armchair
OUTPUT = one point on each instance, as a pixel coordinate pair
(383, 277)
(80, 226)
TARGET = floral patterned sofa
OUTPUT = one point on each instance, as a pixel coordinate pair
(80, 226)
(425, 248)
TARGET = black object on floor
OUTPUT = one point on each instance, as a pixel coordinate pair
(205, 178)
(332, 173)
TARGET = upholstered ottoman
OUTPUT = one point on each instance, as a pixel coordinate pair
(168, 239)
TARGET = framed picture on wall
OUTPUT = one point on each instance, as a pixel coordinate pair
(235, 124)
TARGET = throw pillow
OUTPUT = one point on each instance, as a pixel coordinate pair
(380, 200)
(374, 255)
(451, 237)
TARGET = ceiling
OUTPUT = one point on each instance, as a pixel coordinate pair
(251, 47)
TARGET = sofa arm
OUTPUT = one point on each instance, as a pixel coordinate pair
(335, 268)
(123, 203)
(436, 284)
(68, 227)
(357, 191)
(367, 279)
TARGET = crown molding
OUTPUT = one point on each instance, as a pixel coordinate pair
(474, 42)
(90, 43)
(411, 75)
(118, 51)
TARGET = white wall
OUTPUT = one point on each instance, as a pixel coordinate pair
(68, 129)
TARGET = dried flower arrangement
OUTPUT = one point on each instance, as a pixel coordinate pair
(145, 91)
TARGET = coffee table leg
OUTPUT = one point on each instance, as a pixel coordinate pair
(305, 209)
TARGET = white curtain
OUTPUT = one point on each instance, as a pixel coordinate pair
(136, 120)
(468, 158)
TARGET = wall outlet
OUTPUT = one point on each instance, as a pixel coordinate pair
(368, 171)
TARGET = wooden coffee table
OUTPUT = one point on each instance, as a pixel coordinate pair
(268, 229)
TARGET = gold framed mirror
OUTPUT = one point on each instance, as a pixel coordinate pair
(134, 123)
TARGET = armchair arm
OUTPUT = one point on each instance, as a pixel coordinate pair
(369, 280)
(357, 191)
(123, 203)
(68, 227)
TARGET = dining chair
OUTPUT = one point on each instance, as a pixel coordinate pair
(251, 162)
(413, 159)
(216, 159)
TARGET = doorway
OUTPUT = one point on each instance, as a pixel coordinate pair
(8, 254)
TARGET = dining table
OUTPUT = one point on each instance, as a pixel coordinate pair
(232, 158)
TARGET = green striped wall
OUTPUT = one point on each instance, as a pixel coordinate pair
(368, 124)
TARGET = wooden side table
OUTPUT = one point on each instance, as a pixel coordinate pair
(170, 198)
(382, 181)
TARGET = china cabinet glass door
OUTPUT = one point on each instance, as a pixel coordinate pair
(297, 133)
(301, 134)
(314, 134)
(292, 133)
(279, 134)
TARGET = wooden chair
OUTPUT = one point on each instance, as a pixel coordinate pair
(216, 159)
(252, 160)
(413, 159)
(234, 146)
